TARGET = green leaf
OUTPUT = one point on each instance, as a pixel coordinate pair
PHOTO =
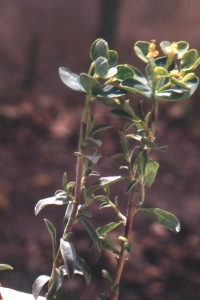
(93, 235)
(90, 84)
(56, 282)
(180, 83)
(175, 93)
(162, 61)
(124, 143)
(101, 67)
(111, 72)
(150, 172)
(129, 110)
(111, 91)
(188, 77)
(104, 181)
(140, 111)
(93, 158)
(93, 142)
(161, 72)
(111, 102)
(5, 267)
(68, 213)
(69, 256)
(123, 72)
(126, 246)
(64, 181)
(100, 128)
(104, 205)
(182, 47)
(61, 294)
(136, 137)
(131, 185)
(87, 199)
(138, 75)
(164, 45)
(148, 143)
(134, 86)
(196, 63)
(70, 79)
(142, 163)
(106, 228)
(165, 218)
(141, 49)
(85, 213)
(112, 61)
(115, 288)
(121, 113)
(48, 201)
(109, 245)
(189, 59)
(103, 296)
(52, 232)
(38, 285)
(129, 125)
(76, 271)
(162, 148)
(99, 48)
(82, 265)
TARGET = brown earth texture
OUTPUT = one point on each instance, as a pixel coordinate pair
(39, 126)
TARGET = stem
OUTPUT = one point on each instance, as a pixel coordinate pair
(129, 217)
(154, 115)
(79, 169)
(78, 186)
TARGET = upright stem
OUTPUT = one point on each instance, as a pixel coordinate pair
(154, 115)
(79, 169)
(129, 218)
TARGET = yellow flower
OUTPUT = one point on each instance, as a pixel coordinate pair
(175, 73)
(172, 50)
(152, 50)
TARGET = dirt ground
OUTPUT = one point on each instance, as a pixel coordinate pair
(39, 125)
(38, 138)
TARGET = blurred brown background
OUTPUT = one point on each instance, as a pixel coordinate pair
(39, 124)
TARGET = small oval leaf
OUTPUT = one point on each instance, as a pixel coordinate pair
(47, 201)
(141, 49)
(101, 67)
(189, 59)
(165, 218)
(90, 84)
(70, 79)
(106, 228)
(5, 267)
(56, 282)
(123, 72)
(38, 285)
(131, 185)
(100, 128)
(52, 232)
(137, 87)
(99, 48)
(82, 265)
(113, 55)
(93, 235)
(112, 91)
(69, 256)
(61, 294)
